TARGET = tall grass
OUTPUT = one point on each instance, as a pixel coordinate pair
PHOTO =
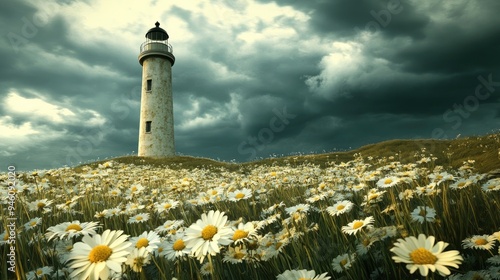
(428, 174)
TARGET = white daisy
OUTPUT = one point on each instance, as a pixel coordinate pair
(461, 184)
(207, 234)
(139, 218)
(175, 247)
(356, 225)
(207, 269)
(39, 273)
(166, 205)
(33, 223)
(148, 240)
(423, 255)
(244, 232)
(482, 242)
(97, 256)
(68, 230)
(343, 262)
(237, 195)
(40, 205)
(423, 214)
(299, 208)
(340, 207)
(115, 192)
(169, 225)
(491, 185)
(373, 196)
(407, 194)
(138, 258)
(388, 182)
(235, 255)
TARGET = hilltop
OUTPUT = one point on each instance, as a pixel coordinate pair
(484, 150)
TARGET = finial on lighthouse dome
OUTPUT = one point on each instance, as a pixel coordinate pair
(157, 33)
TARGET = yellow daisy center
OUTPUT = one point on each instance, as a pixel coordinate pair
(39, 272)
(167, 205)
(340, 207)
(40, 205)
(357, 224)
(74, 227)
(33, 223)
(239, 196)
(133, 189)
(239, 256)
(343, 262)
(387, 181)
(143, 242)
(422, 212)
(422, 256)
(302, 278)
(138, 218)
(239, 234)
(481, 241)
(100, 253)
(179, 245)
(208, 232)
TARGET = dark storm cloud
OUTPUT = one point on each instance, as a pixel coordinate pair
(354, 73)
(347, 18)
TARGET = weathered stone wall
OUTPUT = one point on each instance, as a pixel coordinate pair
(157, 107)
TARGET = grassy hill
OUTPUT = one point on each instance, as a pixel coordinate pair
(339, 214)
(484, 150)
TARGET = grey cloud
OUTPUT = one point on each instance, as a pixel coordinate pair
(411, 76)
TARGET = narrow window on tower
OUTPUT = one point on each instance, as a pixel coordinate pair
(148, 84)
(148, 127)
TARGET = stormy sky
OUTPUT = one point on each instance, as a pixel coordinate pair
(251, 79)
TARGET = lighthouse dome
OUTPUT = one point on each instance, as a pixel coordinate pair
(157, 33)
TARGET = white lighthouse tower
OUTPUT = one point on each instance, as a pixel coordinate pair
(156, 128)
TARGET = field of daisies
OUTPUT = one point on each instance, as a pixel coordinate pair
(368, 218)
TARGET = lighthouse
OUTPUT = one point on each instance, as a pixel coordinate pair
(156, 127)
